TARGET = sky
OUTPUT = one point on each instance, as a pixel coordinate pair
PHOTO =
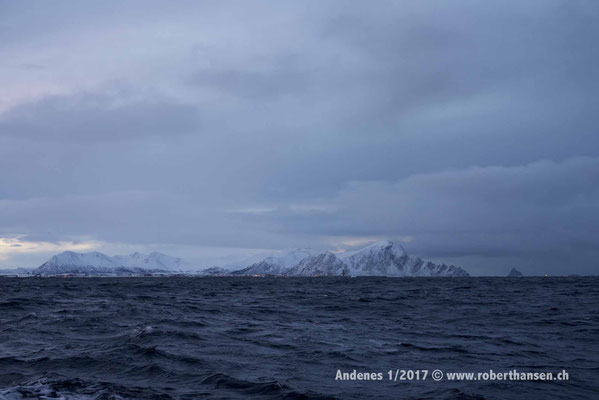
(467, 131)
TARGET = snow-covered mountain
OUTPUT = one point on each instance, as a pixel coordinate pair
(98, 263)
(382, 258)
(277, 264)
(323, 264)
(153, 260)
(256, 258)
(386, 258)
(72, 262)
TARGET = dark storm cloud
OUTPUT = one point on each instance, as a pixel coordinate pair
(468, 128)
(558, 199)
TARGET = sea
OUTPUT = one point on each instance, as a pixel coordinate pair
(298, 338)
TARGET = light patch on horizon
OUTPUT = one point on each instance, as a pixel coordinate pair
(344, 244)
(10, 246)
(350, 241)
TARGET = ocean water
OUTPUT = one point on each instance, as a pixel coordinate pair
(276, 338)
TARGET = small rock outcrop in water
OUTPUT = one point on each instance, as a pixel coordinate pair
(514, 272)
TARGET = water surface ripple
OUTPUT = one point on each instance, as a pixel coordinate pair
(276, 338)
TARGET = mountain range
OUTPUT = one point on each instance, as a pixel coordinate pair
(382, 258)
(70, 262)
(277, 264)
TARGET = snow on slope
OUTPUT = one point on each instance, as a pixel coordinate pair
(256, 258)
(99, 263)
(154, 260)
(277, 264)
(386, 258)
(382, 258)
(70, 261)
(323, 264)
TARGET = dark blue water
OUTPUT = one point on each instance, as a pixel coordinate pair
(226, 338)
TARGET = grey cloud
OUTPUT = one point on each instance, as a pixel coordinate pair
(139, 217)
(278, 82)
(526, 211)
(98, 117)
(282, 124)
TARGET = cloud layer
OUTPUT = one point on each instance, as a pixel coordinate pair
(468, 128)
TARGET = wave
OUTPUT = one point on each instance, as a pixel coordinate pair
(284, 339)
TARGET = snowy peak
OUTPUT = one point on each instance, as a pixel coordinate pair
(379, 259)
(154, 260)
(277, 264)
(78, 262)
(386, 258)
(383, 258)
(323, 264)
(95, 263)
(289, 258)
(385, 246)
(93, 258)
(381, 244)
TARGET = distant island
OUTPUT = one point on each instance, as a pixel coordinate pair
(382, 258)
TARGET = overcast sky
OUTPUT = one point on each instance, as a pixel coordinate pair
(466, 130)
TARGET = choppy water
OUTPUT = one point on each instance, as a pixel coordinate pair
(163, 338)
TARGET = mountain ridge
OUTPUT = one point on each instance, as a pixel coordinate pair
(382, 258)
(94, 262)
